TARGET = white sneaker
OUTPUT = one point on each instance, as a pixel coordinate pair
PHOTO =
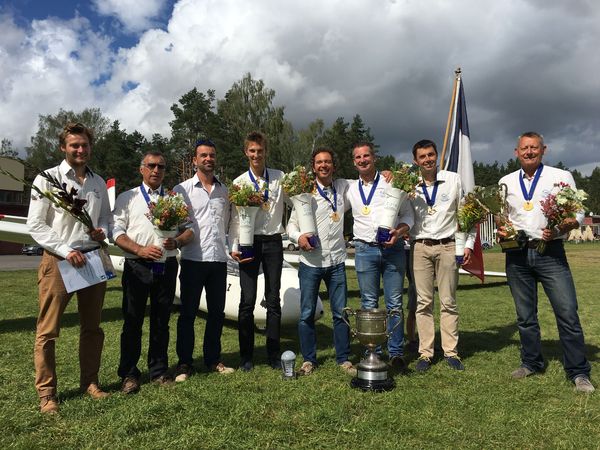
(583, 384)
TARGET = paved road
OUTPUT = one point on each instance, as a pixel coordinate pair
(19, 262)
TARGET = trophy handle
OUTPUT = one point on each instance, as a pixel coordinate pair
(398, 313)
(350, 312)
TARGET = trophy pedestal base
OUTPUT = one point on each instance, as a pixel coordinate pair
(373, 385)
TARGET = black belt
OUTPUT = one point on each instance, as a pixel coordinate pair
(370, 244)
(432, 242)
(149, 261)
(533, 243)
(267, 237)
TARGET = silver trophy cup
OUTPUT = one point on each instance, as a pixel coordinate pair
(371, 331)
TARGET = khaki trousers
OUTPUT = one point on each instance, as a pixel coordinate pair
(430, 264)
(53, 299)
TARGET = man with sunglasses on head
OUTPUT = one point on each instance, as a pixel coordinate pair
(134, 234)
(268, 252)
(203, 262)
(65, 238)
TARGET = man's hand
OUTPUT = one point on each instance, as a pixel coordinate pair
(149, 252)
(76, 258)
(395, 234)
(170, 244)
(236, 256)
(501, 231)
(97, 234)
(467, 256)
(303, 242)
(387, 175)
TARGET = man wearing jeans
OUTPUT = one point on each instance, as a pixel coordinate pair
(203, 262)
(373, 261)
(526, 267)
(325, 262)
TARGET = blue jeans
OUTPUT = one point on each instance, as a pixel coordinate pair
(524, 269)
(335, 281)
(373, 263)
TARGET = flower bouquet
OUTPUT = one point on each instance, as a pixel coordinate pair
(564, 204)
(167, 214)
(299, 185)
(470, 212)
(405, 178)
(247, 201)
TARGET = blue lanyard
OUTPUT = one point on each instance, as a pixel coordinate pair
(430, 200)
(147, 197)
(367, 200)
(324, 195)
(529, 195)
(257, 187)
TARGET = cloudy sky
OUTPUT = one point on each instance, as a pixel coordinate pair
(527, 65)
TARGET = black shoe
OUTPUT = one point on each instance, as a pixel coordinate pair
(423, 364)
(398, 363)
(412, 346)
(455, 363)
(246, 366)
(130, 385)
(275, 364)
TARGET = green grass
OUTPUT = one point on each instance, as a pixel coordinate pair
(478, 408)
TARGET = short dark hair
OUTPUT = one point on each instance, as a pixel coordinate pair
(364, 144)
(156, 153)
(423, 143)
(318, 150)
(75, 128)
(256, 137)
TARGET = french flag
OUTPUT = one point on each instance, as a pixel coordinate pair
(459, 161)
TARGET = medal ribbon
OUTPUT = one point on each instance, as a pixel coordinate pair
(147, 197)
(529, 195)
(430, 200)
(257, 187)
(367, 200)
(324, 195)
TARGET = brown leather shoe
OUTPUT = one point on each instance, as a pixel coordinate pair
(49, 404)
(95, 392)
(130, 385)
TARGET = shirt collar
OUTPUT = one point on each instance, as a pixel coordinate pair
(151, 191)
(66, 169)
(215, 180)
(364, 183)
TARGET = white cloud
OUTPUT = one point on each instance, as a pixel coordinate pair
(526, 65)
(135, 15)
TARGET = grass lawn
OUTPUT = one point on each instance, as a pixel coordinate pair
(478, 408)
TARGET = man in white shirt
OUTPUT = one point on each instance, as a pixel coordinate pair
(203, 262)
(323, 263)
(376, 261)
(268, 252)
(526, 267)
(134, 234)
(435, 207)
(65, 238)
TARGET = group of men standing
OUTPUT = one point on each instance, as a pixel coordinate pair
(429, 218)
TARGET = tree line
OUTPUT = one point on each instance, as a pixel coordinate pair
(247, 105)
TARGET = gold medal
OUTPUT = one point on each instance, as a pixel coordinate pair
(528, 206)
(366, 210)
(335, 216)
(266, 206)
(431, 210)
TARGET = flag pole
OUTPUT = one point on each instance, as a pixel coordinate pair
(457, 74)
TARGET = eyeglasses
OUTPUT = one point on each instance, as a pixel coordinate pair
(153, 166)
